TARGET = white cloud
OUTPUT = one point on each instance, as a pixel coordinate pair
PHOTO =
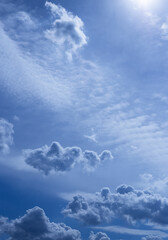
(155, 184)
(67, 29)
(152, 237)
(164, 31)
(146, 177)
(98, 236)
(6, 135)
(92, 137)
(161, 97)
(133, 231)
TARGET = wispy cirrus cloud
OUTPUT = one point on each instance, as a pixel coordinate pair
(32, 81)
(151, 234)
(152, 237)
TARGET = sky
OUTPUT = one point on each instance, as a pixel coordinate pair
(83, 120)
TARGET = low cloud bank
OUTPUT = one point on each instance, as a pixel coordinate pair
(127, 203)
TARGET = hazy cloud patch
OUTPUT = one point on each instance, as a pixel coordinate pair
(6, 135)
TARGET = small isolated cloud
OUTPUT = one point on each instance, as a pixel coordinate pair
(146, 177)
(16, 118)
(59, 159)
(98, 236)
(92, 137)
(35, 225)
(6, 135)
(66, 30)
(127, 203)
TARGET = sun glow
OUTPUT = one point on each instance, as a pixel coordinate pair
(144, 3)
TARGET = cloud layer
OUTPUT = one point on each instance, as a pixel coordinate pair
(6, 135)
(128, 204)
(59, 159)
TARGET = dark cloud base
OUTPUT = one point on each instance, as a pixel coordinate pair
(35, 225)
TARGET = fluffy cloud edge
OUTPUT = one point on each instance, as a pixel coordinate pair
(59, 159)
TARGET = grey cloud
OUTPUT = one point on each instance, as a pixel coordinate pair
(105, 155)
(60, 159)
(123, 189)
(128, 204)
(105, 192)
(6, 135)
(98, 236)
(35, 225)
(54, 157)
(67, 29)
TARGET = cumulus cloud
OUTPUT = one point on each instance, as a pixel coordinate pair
(6, 135)
(98, 236)
(127, 203)
(35, 225)
(67, 29)
(59, 159)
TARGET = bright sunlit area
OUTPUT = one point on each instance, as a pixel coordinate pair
(146, 4)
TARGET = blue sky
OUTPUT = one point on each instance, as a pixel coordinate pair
(83, 120)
